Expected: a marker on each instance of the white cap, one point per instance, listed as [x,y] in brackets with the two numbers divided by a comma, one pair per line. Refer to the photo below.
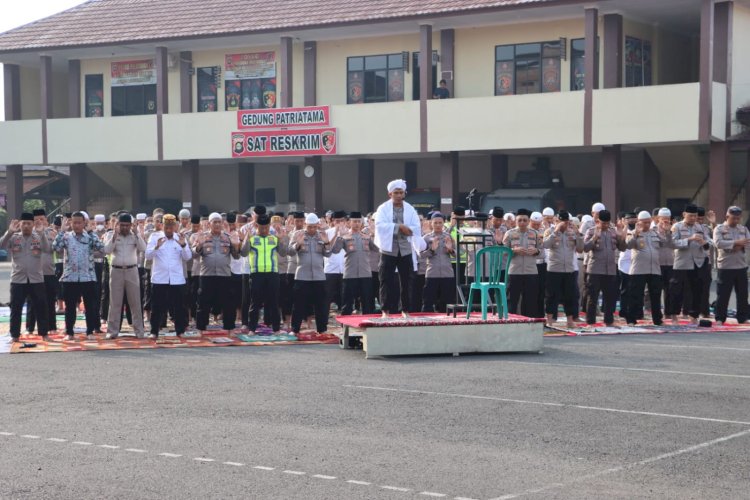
[665,212]
[396,184]
[586,218]
[575,221]
[546,212]
[312,219]
[140,216]
[598,207]
[644,215]
[214,216]
[85,215]
[184,213]
[509,216]
[99,218]
[537,217]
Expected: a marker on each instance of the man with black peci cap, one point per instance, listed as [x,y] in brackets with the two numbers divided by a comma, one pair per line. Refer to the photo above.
[601,243]
[124,244]
[41,226]
[523,281]
[440,282]
[193,268]
[707,220]
[357,281]
[691,241]
[732,242]
[334,265]
[26,247]
[561,241]
[286,286]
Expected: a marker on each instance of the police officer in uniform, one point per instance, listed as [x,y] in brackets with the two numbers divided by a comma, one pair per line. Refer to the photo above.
[440,281]
[732,240]
[523,280]
[41,226]
[357,281]
[601,243]
[561,241]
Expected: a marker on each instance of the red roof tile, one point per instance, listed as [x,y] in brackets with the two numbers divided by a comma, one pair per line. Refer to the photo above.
[109,22]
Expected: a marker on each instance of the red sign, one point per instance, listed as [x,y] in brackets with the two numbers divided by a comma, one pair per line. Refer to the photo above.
[311,141]
[315,116]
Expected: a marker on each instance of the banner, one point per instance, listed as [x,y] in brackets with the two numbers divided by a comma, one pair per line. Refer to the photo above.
[253,65]
[287,117]
[312,141]
[126,73]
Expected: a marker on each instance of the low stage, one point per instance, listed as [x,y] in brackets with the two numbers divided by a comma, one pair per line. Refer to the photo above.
[435,333]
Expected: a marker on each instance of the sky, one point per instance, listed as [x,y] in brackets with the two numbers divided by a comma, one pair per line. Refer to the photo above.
[14,13]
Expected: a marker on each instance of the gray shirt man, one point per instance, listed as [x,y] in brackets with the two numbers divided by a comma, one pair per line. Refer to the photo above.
[215,253]
[689,255]
[356,255]
[310,260]
[401,245]
[26,253]
[562,247]
[730,256]
[602,251]
[530,239]
[645,247]
[439,260]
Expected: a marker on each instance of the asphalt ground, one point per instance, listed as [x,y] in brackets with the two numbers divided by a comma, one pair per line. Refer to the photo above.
[665,416]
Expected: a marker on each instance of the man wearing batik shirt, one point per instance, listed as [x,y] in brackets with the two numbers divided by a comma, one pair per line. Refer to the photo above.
[523,280]
[357,282]
[78,276]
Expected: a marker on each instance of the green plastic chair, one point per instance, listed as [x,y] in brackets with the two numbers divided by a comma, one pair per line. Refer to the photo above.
[495,270]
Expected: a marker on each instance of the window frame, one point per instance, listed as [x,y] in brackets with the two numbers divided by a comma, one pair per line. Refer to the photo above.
[540,59]
[391,76]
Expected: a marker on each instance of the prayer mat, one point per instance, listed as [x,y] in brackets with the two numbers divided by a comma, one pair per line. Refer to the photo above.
[430,319]
[642,327]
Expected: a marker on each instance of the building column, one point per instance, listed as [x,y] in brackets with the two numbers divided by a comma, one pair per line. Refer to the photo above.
[591,78]
[706,69]
[311,72]
[162,97]
[448,181]
[447,55]
[246,184]
[747,181]
[12,91]
[366,180]
[191,185]
[410,175]
[78,198]
[425,81]
[294,184]
[287,72]
[611,173]
[138,187]
[45,103]
[613,51]
[186,82]
[718,177]
[14,184]
[312,184]
[74,88]
[498,171]
[722,64]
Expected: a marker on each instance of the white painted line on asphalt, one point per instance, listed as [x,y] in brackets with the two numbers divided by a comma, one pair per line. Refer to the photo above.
[294,472]
[432,494]
[361,483]
[680,346]
[203,459]
[550,404]
[395,488]
[463,498]
[261,467]
[30,436]
[135,450]
[169,455]
[7,433]
[625,368]
[109,446]
[631,465]
[321,476]
[57,440]
[82,443]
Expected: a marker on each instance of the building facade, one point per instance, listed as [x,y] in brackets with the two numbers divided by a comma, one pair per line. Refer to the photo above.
[141,100]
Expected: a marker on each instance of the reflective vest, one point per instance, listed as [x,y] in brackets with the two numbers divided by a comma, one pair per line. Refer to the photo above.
[263,256]
[461,250]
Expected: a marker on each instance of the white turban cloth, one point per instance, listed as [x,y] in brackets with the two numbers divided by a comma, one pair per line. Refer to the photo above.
[214,216]
[396,184]
[311,219]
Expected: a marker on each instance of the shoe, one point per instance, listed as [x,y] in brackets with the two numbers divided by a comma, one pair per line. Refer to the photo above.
[69,338]
[631,324]
[139,335]
[45,338]
[111,336]
[90,336]
[152,336]
[98,330]
[16,340]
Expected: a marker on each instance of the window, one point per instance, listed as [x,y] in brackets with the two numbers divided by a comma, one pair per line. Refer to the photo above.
[375,78]
[578,64]
[133,88]
[528,68]
[94,93]
[637,62]
[250,81]
[207,97]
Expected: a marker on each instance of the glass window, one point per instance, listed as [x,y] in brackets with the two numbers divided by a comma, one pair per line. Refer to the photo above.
[207,95]
[578,64]
[134,100]
[378,78]
[250,81]
[528,68]
[638,71]
[94,96]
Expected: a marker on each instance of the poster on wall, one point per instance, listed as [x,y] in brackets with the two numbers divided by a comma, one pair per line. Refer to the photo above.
[250,80]
[504,85]
[355,93]
[303,142]
[551,75]
[252,65]
[126,73]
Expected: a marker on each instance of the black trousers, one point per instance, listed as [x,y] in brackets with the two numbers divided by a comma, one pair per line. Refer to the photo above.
[438,292]
[666,276]
[334,290]
[246,300]
[99,270]
[607,286]
[166,298]
[37,295]
[194,282]
[541,270]
[104,300]
[726,280]
[146,295]
[358,289]
[637,284]
[584,301]
[286,287]
[306,294]
[264,292]
[214,291]
[624,282]
[58,274]
[50,290]
[561,288]
[416,292]
[375,287]
[74,291]
[681,278]
[524,287]
[393,285]
[236,293]
[703,305]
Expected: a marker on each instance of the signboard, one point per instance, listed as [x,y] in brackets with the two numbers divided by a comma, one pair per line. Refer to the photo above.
[303,142]
[315,116]
[252,65]
[125,73]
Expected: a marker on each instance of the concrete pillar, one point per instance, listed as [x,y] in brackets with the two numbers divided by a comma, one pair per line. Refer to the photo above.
[706,69]
[287,72]
[162,97]
[723,33]
[448,181]
[12,91]
[191,185]
[613,51]
[138,187]
[591,77]
[747,181]
[294,182]
[498,172]
[611,173]
[186,82]
[410,175]
[45,103]
[14,182]
[312,184]
[74,88]
[246,184]
[425,80]
[311,71]
[366,180]
[718,177]
[78,197]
